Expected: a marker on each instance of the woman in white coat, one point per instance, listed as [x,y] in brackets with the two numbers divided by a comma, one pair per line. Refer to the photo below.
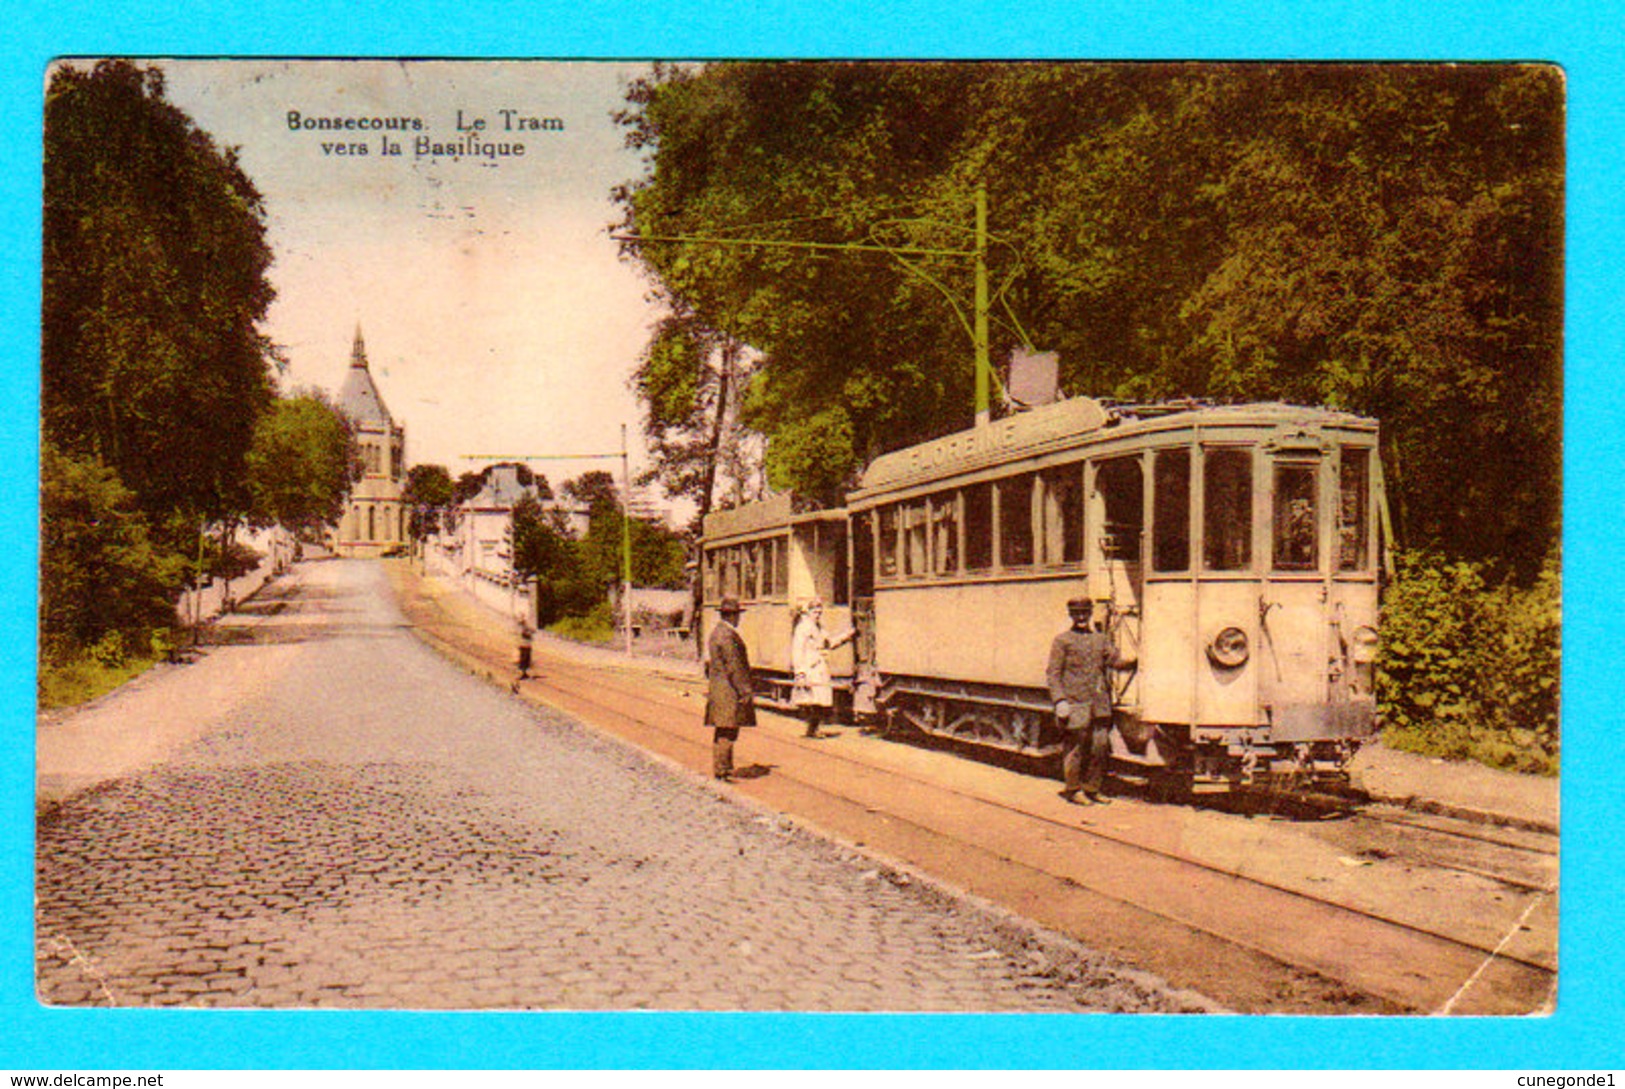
[813,694]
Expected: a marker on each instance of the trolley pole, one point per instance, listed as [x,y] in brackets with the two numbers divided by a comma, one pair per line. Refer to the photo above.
[984,369]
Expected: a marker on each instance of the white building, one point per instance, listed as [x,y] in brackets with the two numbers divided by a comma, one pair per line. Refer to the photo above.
[478,550]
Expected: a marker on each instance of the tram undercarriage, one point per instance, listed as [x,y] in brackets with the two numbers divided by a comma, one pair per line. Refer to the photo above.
[1173,760]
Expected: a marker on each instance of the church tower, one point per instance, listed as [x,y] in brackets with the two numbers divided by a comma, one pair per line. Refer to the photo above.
[375,522]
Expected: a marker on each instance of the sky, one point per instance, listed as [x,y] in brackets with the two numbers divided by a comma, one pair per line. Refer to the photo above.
[499,320]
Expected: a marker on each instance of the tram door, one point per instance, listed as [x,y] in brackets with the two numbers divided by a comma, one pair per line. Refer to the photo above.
[866,676]
[1116,521]
[1293,610]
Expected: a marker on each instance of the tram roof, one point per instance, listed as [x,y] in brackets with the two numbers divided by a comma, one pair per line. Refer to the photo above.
[1076,421]
[774,512]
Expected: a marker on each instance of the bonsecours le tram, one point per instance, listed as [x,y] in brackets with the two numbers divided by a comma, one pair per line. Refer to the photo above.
[1232,553]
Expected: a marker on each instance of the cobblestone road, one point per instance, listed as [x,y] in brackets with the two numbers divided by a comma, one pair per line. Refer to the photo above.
[379,829]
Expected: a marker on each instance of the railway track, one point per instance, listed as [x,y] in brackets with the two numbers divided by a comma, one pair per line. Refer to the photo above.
[1124,880]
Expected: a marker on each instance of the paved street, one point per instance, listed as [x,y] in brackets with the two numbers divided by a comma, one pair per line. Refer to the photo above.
[329,814]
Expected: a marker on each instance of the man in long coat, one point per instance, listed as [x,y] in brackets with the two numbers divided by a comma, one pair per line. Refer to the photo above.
[1080,664]
[730,700]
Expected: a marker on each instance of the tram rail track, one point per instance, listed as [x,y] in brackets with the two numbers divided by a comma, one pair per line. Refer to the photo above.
[1194,922]
[1092,832]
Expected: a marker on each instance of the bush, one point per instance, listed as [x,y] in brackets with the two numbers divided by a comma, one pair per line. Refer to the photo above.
[105,583]
[598,626]
[69,678]
[1469,670]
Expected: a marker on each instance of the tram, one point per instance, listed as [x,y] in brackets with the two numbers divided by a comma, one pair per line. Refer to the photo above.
[1232,552]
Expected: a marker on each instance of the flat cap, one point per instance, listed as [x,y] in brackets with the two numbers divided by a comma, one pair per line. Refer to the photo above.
[1080,605]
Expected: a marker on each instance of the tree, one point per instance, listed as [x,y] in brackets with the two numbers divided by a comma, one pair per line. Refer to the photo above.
[102,580]
[809,153]
[302,463]
[154,375]
[1381,238]
[658,554]
[155,265]
[596,489]
[428,492]
[544,554]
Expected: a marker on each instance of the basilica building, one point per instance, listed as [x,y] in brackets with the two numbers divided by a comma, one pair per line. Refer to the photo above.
[375,522]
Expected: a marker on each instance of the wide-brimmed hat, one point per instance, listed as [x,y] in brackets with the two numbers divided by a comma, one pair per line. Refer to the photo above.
[729,605]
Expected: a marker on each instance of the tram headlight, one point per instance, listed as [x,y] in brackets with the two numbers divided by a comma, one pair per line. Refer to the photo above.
[1228,649]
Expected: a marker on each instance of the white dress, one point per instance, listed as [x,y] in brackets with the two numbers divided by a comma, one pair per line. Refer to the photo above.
[809,661]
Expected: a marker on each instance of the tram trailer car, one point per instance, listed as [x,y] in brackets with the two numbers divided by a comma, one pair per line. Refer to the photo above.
[773,559]
[1232,553]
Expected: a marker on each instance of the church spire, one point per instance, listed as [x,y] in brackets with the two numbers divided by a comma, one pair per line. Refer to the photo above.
[358,352]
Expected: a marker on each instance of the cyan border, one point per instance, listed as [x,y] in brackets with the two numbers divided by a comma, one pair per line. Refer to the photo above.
[1582,36]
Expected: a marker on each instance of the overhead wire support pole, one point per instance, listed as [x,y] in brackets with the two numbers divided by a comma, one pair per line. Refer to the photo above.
[977,255]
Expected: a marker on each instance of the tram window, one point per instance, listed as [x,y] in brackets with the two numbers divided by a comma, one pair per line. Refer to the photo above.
[888,542]
[978,500]
[945,534]
[730,573]
[1353,509]
[1016,521]
[1295,520]
[781,573]
[916,531]
[1119,484]
[1171,498]
[1061,515]
[747,573]
[1227,509]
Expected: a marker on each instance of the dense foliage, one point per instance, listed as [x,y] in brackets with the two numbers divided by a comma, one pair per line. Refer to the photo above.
[574,577]
[1381,238]
[104,585]
[545,555]
[302,463]
[161,429]
[155,265]
[1385,239]
[1469,668]
[428,494]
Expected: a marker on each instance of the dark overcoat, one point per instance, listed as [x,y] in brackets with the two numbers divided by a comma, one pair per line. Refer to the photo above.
[1080,664]
[730,702]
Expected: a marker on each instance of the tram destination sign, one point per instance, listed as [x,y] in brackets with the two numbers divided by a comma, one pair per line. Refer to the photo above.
[965,451]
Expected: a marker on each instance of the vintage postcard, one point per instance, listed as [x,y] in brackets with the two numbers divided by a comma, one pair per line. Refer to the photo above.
[801,537]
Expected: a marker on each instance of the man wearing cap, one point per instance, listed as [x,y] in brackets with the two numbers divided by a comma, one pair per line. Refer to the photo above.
[1080,664]
[729,702]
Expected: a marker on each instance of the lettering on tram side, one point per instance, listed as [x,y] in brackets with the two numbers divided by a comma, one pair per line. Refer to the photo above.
[470,136]
[969,449]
